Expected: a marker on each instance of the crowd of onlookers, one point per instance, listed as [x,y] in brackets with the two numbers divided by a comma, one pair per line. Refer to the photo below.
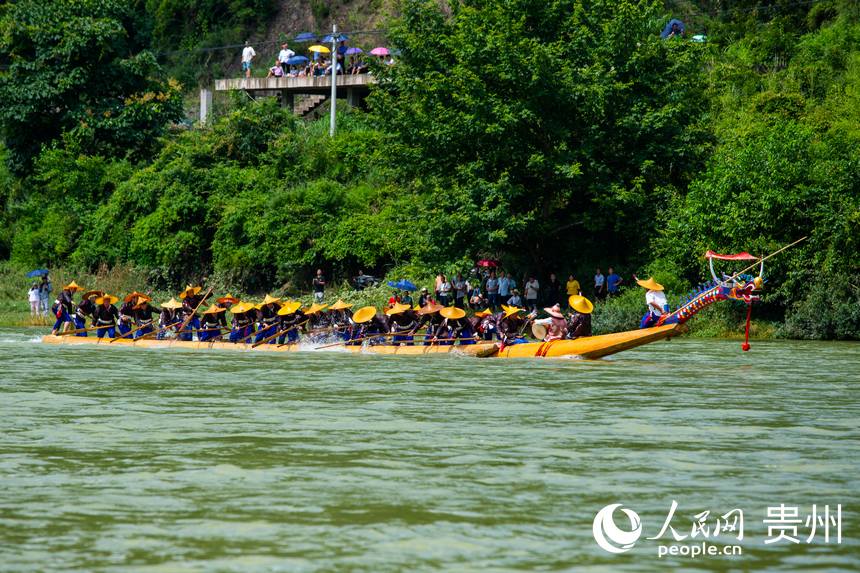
[492,287]
[345,60]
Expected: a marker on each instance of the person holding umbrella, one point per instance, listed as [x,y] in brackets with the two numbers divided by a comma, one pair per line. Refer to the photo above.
[284,58]
[45,290]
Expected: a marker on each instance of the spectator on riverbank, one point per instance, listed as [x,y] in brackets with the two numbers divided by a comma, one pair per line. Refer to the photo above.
[461,289]
[248,55]
[477,300]
[45,290]
[553,290]
[491,287]
[445,290]
[515,299]
[319,286]
[532,289]
[613,281]
[599,285]
[34,297]
[285,54]
[572,287]
[504,286]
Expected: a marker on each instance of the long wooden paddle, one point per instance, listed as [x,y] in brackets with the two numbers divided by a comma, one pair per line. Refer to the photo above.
[285,332]
[130,333]
[69,332]
[193,313]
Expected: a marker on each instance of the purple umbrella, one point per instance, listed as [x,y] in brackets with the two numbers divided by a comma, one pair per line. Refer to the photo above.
[353,51]
[380,51]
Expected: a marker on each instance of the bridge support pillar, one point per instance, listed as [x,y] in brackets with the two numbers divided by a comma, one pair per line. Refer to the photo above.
[288,100]
[353,97]
[205,104]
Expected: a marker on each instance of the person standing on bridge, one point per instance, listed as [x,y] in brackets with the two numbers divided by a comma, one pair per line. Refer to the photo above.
[285,54]
[248,55]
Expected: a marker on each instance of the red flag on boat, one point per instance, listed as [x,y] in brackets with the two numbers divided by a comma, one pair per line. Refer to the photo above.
[744,256]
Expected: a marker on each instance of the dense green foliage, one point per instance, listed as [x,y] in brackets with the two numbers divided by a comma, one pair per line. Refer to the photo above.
[79,71]
[553,135]
[530,123]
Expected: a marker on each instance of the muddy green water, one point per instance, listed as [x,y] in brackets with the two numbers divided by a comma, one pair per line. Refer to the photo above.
[163,460]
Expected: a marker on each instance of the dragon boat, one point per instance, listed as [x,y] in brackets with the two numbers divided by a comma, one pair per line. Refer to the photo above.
[738,287]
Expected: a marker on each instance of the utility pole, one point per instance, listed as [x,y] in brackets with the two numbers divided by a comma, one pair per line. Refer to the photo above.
[333,78]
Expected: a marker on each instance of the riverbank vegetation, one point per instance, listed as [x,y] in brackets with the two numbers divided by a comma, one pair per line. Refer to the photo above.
[556,138]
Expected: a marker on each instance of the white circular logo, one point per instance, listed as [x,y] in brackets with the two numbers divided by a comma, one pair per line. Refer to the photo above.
[609,537]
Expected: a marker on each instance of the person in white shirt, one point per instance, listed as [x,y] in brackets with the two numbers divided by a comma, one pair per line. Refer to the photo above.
[656,301]
[285,54]
[34,296]
[532,289]
[248,55]
[599,285]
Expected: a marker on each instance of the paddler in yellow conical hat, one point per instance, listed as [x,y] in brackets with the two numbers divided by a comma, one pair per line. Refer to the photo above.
[339,319]
[430,318]
[292,319]
[105,315]
[402,321]
[242,323]
[655,299]
[64,307]
[268,318]
[455,326]
[191,301]
[579,324]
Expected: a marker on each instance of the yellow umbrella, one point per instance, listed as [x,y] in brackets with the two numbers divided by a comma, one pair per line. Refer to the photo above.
[320,49]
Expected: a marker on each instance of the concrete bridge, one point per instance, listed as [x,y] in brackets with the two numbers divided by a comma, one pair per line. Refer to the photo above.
[302,95]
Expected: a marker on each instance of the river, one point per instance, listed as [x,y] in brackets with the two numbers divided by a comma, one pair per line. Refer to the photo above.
[167,460]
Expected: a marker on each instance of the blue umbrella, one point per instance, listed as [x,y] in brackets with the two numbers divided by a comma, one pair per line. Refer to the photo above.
[37,273]
[668,28]
[328,39]
[296,60]
[306,37]
[403,284]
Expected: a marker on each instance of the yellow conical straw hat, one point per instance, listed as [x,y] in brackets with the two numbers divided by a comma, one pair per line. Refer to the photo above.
[580,304]
[452,312]
[339,305]
[364,314]
[650,284]
[289,307]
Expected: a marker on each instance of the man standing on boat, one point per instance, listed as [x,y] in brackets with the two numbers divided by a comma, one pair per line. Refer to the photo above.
[243,322]
[403,323]
[269,318]
[210,324]
[143,312]
[85,310]
[106,315]
[64,307]
[292,319]
[191,299]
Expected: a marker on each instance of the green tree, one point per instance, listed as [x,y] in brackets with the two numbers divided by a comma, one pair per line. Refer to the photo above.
[533,122]
[78,74]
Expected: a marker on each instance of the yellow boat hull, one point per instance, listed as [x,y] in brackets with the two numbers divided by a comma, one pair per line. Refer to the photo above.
[588,347]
